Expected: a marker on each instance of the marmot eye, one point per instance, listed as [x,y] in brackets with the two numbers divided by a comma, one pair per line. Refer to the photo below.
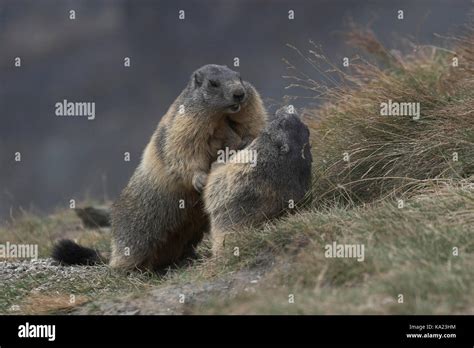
[214,83]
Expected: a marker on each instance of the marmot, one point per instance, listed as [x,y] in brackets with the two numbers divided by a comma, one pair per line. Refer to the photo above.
[159,218]
[244,192]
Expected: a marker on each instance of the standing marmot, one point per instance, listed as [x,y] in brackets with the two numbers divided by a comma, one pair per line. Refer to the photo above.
[159,216]
[239,194]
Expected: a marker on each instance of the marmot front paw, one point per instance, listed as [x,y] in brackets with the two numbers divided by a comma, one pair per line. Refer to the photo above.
[199,181]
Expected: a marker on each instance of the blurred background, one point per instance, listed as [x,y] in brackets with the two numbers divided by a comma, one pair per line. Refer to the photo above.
[82,60]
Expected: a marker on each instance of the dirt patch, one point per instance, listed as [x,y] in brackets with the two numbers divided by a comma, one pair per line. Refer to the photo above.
[180,298]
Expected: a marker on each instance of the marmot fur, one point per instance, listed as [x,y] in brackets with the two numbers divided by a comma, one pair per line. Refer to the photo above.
[240,193]
[158,219]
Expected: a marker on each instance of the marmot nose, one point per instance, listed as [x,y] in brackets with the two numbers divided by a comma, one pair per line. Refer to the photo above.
[239,95]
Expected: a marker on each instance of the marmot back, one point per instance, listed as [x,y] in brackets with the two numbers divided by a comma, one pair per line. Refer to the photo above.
[244,192]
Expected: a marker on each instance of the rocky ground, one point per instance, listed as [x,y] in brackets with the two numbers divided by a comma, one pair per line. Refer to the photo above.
[168,299]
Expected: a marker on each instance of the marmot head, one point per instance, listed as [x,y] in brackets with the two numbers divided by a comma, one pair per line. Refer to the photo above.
[220,88]
[289,136]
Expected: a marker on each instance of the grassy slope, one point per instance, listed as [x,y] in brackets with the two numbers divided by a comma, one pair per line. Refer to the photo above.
[409,250]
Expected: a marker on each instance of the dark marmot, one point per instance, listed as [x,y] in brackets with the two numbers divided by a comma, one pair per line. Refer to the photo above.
[158,219]
[245,192]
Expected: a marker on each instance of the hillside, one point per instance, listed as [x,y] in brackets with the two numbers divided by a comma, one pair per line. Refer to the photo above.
[400,186]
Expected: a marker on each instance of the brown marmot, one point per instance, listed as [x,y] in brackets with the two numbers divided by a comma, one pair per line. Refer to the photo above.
[261,181]
[158,219]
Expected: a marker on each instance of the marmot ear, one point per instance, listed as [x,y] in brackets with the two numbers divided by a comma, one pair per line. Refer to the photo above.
[284,148]
[281,143]
[197,79]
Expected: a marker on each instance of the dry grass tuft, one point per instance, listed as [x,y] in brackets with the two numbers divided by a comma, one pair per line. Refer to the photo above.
[50,303]
[361,156]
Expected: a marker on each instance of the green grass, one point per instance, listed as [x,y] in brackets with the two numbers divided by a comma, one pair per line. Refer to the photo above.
[408,251]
